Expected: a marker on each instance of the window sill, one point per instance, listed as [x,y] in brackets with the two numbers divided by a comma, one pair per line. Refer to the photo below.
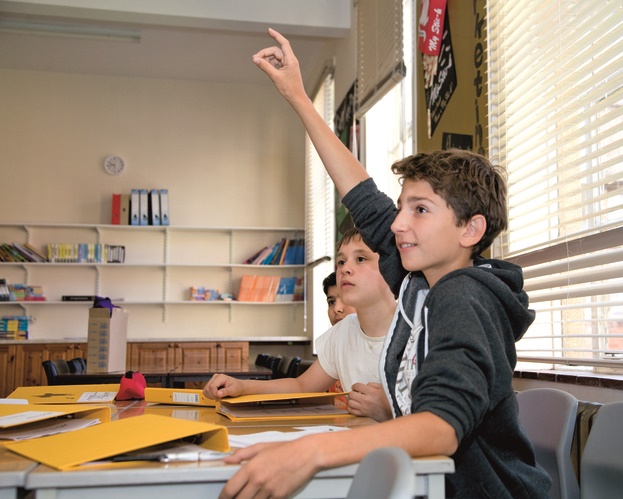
[611,381]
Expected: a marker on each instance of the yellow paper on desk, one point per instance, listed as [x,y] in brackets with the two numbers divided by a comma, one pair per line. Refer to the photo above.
[68,451]
[178,396]
[278,406]
[34,420]
[67,394]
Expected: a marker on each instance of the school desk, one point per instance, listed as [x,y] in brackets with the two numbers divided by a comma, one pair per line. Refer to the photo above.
[206,479]
[13,472]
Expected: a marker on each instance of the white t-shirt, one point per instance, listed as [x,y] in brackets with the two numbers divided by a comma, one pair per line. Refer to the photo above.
[347,354]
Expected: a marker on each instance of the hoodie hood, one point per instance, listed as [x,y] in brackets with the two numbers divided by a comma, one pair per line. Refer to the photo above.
[505,281]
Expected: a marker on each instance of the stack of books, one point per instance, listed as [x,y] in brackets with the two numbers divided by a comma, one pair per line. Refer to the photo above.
[85,253]
[20,252]
[14,327]
[283,252]
[254,288]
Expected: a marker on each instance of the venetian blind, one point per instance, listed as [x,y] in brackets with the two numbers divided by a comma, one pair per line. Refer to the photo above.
[379,50]
[319,209]
[556,125]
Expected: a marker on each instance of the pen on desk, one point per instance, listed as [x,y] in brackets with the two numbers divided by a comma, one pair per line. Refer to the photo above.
[137,457]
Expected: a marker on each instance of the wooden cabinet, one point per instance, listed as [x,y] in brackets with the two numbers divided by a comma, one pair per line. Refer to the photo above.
[7,369]
[24,362]
[20,364]
[186,356]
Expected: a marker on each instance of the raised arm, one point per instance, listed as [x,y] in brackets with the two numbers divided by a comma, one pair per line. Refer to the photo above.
[282,67]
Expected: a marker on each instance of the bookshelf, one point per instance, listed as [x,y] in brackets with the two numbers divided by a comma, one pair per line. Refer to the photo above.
[161,265]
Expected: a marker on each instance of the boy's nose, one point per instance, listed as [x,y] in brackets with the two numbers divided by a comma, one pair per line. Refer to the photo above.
[398,225]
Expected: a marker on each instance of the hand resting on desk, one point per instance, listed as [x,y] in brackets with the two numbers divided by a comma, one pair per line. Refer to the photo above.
[369,400]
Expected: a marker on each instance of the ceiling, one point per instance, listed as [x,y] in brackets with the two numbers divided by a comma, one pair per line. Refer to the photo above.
[210,40]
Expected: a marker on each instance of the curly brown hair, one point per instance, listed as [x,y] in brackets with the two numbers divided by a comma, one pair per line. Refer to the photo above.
[468,182]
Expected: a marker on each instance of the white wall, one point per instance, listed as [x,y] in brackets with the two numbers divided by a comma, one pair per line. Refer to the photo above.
[229,155]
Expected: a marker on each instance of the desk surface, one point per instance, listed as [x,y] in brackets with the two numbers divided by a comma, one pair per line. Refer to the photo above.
[195,479]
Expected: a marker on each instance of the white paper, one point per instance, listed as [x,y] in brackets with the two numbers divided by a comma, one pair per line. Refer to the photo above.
[48,427]
[280,436]
[97,397]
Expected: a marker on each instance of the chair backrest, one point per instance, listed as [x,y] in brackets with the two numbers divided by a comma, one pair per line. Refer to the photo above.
[273,363]
[262,359]
[53,368]
[303,366]
[601,469]
[384,473]
[286,368]
[50,371]
[77,365]
[548,415]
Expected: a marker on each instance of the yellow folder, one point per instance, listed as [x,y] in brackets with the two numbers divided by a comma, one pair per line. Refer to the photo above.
[67,394]
[67,451]
[281,406]
[178,396]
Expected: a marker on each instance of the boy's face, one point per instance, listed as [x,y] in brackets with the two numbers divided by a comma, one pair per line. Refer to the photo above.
[336,308]
[426,233]
[358,278]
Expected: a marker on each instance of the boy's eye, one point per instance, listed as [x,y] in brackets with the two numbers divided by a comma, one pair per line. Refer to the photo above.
[330,302]
[361,259]
[421,209]
[339,263]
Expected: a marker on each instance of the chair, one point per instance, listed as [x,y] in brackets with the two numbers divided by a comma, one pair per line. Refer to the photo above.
[286,368]
[262,359]
[601,470]
[548,415]
[53,368]
[77,365]
[384,473]
[273,363]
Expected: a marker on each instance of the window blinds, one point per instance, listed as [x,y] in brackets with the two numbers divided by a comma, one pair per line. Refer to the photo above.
[556,125]
[319,209]
[379,50]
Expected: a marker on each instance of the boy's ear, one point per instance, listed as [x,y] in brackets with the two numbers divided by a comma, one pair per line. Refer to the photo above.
[474,230]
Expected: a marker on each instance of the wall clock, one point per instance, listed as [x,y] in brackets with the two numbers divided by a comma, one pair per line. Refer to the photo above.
[114,165]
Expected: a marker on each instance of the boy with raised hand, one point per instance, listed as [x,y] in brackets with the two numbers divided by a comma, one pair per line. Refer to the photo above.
[450,354]
[350,350]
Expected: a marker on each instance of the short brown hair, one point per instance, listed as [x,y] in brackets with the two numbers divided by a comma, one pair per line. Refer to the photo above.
[468,182]
[348,236]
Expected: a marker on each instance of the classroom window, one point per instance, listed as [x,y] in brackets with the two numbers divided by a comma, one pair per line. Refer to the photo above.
[556,125]
[319,212]
[387,127]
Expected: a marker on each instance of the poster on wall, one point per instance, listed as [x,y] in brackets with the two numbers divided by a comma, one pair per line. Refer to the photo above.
[343,123]
[439,72]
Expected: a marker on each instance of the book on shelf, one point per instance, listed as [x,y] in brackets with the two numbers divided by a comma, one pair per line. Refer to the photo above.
[262,288]
[299,289]
[253,257]
[285,292]
[283,252]
[124,217]
[78,297]
[164,207]
[247,283]
[115,212]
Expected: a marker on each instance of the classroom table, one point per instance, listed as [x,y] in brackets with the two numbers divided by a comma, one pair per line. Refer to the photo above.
[13,472]
[205,479]
[170,379]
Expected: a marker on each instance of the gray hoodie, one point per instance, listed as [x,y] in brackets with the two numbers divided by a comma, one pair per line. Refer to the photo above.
[466,357]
